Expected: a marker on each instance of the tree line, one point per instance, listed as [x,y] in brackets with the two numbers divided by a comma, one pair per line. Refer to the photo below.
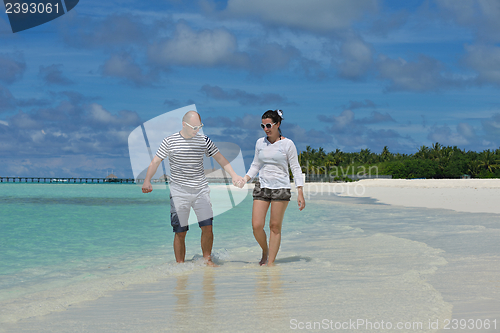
[436,161]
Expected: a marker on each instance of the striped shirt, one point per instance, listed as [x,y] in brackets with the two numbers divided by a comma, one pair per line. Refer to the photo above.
[185,157]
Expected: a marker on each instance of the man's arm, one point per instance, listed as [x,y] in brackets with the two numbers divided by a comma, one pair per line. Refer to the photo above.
[153,166]
[224,163]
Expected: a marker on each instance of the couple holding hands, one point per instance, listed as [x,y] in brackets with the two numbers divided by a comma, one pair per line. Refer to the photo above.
[189,186]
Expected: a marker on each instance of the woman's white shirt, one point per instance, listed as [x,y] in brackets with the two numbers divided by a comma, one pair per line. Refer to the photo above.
[271,162]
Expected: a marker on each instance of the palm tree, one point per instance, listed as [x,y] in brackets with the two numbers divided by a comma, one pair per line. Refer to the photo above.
[436,151]
[386,155]
[423,152]
[364,156]
[489,161]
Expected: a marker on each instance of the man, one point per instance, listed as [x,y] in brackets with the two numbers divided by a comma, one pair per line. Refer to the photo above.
[188,184]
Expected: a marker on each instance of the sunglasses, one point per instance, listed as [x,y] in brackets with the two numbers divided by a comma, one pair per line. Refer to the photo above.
[268,126]
[194,127]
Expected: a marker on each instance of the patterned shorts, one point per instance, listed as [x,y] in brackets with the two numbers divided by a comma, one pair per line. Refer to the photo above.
[268,194]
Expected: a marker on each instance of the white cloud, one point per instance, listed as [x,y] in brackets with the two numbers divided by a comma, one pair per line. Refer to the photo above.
[12,67]
[466,130]
[480,15]
[357,59]
[98,113]
[353,133]
[25,121]
[445,136]
[53,75]
[313,15]
[243,97]
[197,48]
[492,127]
[486,61]
[423,75]
[103,32]
[124,66]
[7,100]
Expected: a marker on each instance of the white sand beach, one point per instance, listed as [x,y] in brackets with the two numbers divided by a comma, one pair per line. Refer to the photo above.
[470,282]
[462,195]
[418,255]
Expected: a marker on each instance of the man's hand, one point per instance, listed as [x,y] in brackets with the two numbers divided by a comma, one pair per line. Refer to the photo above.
[147,187]
[242,181]
[153,166]
[238,181]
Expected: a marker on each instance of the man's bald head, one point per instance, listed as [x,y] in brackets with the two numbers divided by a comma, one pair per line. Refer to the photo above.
[190,114]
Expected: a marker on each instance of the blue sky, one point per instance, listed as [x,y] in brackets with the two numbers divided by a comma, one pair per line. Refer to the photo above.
[347,74]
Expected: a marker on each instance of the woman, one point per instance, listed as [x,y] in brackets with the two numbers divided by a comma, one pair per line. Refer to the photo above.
[273,154]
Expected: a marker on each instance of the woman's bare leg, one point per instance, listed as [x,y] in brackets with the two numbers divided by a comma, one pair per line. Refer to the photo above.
[259,211]
[277,213]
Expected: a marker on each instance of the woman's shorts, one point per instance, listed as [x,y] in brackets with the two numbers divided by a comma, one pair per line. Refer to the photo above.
[268,194]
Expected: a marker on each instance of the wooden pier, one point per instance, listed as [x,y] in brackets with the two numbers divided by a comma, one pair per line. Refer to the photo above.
[67,180]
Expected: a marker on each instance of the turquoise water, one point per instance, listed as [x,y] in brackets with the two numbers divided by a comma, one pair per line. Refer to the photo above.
[51,225]
[56,235]
[72,229]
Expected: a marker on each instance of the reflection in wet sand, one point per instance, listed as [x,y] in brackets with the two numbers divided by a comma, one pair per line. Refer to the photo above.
[195,300]
[182,304]
[269,292]
[208,302]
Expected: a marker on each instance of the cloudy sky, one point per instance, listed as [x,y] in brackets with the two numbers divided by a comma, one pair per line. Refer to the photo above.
[347,74]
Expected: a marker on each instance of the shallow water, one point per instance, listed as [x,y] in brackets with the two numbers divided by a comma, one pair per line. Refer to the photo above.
[341,260]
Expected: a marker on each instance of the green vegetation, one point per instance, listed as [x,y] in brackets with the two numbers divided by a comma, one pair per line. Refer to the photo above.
[428,162]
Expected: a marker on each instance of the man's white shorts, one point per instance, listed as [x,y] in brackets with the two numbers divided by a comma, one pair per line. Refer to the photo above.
[182,198]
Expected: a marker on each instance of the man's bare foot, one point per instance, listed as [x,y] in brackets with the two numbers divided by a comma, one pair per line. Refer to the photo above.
[263,261]
[270,264]
[210,263]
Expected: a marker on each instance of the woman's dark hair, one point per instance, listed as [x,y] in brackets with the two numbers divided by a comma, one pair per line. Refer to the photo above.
[274,116]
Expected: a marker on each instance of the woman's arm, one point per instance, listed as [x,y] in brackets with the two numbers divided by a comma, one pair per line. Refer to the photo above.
[255,166]
[300,198]
[293,160]
[224,163]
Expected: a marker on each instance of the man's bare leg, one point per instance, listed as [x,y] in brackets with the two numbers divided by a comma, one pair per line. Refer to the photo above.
[277,213]
[180,246]
[259,211]
[207,240]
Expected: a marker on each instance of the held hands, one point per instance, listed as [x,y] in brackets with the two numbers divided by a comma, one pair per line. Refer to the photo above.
[238,181]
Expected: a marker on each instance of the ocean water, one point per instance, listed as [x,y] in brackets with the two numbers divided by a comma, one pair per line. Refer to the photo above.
[342,260]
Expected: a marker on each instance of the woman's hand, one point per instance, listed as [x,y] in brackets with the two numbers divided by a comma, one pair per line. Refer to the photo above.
[242,181]
[300,198]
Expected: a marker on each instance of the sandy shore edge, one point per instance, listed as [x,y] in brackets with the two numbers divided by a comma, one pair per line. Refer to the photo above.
[463,195]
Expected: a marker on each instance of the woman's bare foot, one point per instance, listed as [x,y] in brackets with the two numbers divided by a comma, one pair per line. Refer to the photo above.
[263,261]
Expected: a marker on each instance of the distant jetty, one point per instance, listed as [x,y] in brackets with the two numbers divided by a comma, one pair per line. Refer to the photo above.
[67,180]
